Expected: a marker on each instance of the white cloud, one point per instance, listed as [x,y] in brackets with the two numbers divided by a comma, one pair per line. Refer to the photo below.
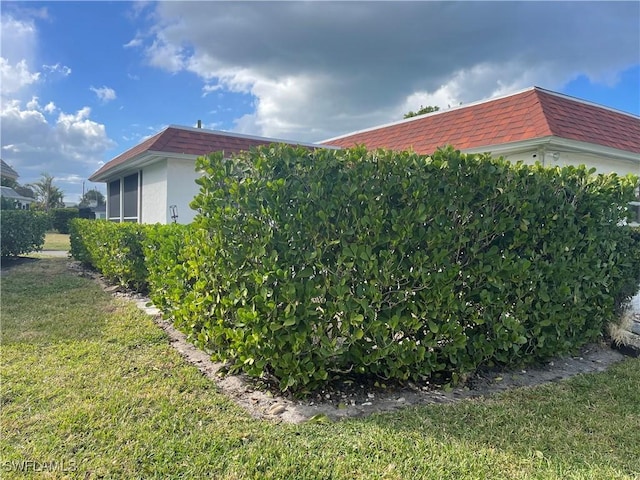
[104,94]
[57,69]
[15,77]
[69,146]
[18,38]
[318,69]
[50,107]
[137,41]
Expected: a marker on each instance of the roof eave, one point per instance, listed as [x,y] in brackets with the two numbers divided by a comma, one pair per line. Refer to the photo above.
[135,163]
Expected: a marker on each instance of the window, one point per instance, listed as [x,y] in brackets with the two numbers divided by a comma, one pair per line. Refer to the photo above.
[123,198]
[113,200]
[130,197]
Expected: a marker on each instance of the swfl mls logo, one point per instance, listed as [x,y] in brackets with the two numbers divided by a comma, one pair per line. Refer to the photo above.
[36,466]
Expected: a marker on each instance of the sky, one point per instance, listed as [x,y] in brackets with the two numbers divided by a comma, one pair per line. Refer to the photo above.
[82,82]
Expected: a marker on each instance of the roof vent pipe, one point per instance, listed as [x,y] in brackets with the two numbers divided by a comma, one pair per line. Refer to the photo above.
[199,123]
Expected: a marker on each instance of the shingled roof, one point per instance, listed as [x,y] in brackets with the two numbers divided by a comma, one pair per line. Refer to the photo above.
[7,171]
[186,141]
[527,115]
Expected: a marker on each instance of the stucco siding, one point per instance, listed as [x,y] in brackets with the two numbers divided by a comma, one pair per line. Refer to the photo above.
[555,158]
[154,193]
[181,188]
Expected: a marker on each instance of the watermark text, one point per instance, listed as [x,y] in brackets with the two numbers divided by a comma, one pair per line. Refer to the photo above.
[38,466]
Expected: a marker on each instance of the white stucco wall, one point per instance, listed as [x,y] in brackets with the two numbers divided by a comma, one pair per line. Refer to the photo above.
[154,193]
[554,158]
[181,188]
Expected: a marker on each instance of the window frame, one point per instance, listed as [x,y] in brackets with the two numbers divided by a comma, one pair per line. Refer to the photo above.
[124,197]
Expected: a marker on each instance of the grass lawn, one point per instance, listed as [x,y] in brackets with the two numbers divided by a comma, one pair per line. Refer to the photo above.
[56,241]
[91,385]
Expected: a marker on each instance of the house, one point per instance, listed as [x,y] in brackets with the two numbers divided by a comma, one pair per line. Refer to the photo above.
[7,171]
[9,193]
[531,125]
[19,201]
[154,182]
[100,212]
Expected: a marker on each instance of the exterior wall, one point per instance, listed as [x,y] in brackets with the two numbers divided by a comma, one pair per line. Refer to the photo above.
[181,189]
[601,164]
[553,158]
[154,204]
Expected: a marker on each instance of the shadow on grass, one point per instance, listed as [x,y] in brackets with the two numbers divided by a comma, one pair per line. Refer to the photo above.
[9,263]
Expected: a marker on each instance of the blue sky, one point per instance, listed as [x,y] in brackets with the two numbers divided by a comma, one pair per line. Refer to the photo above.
[85,81]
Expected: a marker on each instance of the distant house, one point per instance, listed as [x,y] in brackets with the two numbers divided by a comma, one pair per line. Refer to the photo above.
[7,171]
[8,193]
[530,125]
[154,182]
[100,212]
[19,201]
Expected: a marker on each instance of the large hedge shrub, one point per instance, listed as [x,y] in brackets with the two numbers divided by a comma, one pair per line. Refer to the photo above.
[309,264]
[305,264]
[115,249]
[60,218]
[22,231]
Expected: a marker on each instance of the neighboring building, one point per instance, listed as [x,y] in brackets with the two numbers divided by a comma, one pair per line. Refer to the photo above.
[20,202]
[530,125]
[100,212]
[154,182]
[8,172]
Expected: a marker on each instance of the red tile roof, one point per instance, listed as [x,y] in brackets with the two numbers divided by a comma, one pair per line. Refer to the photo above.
[531,114]
[188,141]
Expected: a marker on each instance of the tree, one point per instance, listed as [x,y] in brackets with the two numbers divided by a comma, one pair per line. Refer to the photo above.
[92,198]
[47,194]
[422,111]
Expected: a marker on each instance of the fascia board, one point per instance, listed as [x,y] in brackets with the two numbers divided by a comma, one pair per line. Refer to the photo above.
[133,164]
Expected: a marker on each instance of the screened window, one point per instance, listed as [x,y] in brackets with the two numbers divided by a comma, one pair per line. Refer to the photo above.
[130,197]
[114,200]
[123,198]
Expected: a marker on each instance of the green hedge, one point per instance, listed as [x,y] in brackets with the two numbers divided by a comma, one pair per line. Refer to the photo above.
[169,276]
[305,264]
[116,250]
[309,264]
[22,231]
[60,218]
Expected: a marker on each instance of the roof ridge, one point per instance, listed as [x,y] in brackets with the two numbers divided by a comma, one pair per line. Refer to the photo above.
[586,102]
[240,135]
[432,114]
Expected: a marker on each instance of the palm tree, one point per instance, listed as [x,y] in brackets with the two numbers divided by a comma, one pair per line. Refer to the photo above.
[48,195]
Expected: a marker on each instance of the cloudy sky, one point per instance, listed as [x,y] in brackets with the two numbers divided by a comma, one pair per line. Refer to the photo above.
[85,81]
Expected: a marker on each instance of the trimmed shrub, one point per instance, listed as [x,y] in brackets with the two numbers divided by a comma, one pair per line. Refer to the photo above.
[305,264]
[311,264]
[22,231]
[60,218]
[114,249]
[169,277]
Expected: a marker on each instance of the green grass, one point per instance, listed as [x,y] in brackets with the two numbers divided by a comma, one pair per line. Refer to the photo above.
[56,241]
[92,384]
